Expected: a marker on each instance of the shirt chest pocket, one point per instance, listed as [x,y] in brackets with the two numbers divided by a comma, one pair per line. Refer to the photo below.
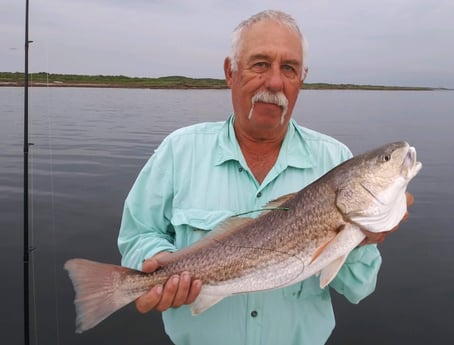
[192,224]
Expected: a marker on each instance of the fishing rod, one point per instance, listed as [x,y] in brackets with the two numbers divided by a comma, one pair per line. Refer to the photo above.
[26,257]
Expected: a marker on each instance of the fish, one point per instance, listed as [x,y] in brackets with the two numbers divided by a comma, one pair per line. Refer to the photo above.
[309,232]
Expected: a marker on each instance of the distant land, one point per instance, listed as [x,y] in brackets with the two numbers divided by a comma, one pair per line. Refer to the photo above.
[43,79]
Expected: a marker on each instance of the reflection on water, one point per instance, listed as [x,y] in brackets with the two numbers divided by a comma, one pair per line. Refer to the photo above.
[89,145]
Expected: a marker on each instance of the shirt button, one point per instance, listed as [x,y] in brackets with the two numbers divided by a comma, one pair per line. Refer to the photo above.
[259,194]
[240,169]
[254,313]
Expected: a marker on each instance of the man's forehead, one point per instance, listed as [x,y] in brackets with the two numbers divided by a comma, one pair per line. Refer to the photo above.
[270,35]
[269,26]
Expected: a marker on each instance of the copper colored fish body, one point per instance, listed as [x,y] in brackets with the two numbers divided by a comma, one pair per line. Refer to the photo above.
[302,234]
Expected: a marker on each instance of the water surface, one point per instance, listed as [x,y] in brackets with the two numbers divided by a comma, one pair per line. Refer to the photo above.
[89,145]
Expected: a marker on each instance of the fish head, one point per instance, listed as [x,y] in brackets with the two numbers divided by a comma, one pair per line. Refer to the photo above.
[370,191]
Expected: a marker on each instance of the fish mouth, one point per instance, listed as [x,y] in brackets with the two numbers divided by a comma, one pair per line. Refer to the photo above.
[410,165]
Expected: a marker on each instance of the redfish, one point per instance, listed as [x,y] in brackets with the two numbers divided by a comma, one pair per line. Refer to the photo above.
[298,235]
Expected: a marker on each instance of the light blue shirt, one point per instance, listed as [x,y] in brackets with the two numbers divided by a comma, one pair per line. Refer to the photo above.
[198,177]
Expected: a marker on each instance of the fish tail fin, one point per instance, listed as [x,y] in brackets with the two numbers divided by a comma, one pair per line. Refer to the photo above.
[98,289]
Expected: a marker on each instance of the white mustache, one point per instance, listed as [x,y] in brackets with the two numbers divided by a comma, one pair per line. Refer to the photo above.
[277,98]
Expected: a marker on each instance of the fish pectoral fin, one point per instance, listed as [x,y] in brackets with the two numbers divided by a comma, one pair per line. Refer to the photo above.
[332,255]
[205,301]
[320,250]
[329,272]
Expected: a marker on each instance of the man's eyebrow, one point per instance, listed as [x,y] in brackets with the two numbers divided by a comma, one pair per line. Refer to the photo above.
[266,57]
[259,56]
[293,62]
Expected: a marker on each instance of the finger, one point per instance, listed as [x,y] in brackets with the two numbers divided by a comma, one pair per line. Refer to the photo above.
[183,290]
[196,287]
[405,217]
[410,198]
[149,300]
[379,238]
[168,294]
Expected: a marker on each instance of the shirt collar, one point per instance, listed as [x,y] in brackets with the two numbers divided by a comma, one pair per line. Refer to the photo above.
[228,148]
[294,151]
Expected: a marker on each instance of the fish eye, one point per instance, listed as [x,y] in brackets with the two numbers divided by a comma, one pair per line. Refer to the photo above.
[386,157]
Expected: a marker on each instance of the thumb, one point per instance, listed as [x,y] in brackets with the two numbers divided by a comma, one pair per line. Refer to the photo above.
[410,198]
[150,265]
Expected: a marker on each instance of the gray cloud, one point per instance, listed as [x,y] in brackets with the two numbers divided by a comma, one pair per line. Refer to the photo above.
[393,42]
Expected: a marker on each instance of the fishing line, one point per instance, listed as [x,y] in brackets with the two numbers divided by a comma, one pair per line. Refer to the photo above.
[32,237]
[32,246]
[32,232]
[262,209]
[50,133]
[51,174]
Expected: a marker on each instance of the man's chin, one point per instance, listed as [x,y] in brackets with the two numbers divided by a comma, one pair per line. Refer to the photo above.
[266,120]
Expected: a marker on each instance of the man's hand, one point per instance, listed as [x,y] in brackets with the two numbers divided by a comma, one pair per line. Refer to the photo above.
[178,290]
[379,237]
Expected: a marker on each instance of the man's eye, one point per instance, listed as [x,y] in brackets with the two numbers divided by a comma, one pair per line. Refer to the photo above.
[288,70]
[260,66]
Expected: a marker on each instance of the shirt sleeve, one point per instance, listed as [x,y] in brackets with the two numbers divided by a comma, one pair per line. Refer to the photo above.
[358,276]
[145,228]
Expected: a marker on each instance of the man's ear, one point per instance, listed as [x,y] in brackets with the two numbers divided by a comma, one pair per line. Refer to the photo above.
[228,71]
[303,77]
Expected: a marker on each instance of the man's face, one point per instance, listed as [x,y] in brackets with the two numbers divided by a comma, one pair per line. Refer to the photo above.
[270,59]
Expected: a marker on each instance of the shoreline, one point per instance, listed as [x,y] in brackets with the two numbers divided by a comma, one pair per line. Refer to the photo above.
[43,79]
[105,85]
[308,86]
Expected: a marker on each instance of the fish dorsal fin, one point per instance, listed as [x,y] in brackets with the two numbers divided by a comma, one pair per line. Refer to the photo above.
[220,232]
[279,201]
[231,223]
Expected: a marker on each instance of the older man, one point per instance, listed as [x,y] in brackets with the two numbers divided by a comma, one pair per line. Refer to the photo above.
[204,173]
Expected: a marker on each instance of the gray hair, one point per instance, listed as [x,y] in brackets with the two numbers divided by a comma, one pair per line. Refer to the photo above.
[278,16]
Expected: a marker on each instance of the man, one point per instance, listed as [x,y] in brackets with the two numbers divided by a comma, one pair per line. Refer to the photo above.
[204,173]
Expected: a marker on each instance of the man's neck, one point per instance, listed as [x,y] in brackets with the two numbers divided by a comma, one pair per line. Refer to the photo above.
[260,154]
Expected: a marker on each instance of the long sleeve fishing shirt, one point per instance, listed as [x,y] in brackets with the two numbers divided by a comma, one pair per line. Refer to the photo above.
[198,177]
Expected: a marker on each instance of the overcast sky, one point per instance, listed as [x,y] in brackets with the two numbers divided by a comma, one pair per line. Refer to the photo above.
[385,42]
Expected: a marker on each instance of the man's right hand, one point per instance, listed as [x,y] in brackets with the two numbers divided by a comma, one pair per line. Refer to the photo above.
[178,290]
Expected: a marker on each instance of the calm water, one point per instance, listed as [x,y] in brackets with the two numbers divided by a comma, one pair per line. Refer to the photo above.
[89,145]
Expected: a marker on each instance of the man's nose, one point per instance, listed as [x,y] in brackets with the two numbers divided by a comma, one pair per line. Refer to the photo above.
[275,81]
